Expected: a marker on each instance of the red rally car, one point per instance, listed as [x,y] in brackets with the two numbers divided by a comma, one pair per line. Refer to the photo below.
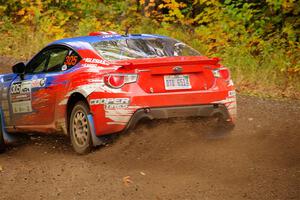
[104,83]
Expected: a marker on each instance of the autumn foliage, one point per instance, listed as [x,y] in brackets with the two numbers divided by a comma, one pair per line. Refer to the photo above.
[257,39]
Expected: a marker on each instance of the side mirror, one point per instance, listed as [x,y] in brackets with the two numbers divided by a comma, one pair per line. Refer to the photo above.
[19,68]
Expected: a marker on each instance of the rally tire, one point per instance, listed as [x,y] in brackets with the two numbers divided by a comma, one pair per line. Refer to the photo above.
[79,128]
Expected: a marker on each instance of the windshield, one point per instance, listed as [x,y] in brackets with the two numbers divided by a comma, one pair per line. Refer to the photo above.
[134,48]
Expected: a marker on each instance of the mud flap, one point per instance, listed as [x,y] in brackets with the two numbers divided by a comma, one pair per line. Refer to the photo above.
[8,138]
[96,140]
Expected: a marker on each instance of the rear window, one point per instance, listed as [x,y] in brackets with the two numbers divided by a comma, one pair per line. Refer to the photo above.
[133,48]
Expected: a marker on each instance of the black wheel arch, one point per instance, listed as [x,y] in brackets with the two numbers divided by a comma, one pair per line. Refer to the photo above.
[73,99]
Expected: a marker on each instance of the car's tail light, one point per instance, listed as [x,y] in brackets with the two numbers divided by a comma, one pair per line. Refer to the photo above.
[119,80]
[222,73]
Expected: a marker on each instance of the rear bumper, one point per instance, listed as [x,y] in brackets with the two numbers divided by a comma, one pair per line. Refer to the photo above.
[179,112]
[209,110]
[116,111]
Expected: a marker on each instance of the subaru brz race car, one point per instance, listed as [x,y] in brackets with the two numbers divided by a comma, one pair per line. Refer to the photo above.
[87,87]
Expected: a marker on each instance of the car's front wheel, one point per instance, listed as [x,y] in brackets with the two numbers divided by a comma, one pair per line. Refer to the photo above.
[80,132]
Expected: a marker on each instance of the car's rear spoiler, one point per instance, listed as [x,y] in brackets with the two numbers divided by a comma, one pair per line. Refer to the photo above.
[161,62]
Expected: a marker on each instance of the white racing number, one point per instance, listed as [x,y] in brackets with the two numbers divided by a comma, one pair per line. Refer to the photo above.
[15,88]
[20,95]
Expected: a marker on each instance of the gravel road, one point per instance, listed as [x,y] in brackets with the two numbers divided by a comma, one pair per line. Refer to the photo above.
[167,161]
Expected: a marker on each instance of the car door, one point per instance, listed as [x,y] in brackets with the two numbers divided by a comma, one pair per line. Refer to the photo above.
[33,96]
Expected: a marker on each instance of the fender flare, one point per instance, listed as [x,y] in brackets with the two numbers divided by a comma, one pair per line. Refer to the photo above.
[95,139]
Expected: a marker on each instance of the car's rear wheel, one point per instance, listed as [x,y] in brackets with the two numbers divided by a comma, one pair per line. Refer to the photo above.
[2,144]
[80,132]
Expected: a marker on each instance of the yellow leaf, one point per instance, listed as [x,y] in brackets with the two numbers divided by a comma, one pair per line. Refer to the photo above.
[21,12]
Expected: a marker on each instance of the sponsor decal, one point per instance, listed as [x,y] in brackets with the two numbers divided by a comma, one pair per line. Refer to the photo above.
[21,97]
[94,67]
[41,82]
[90,65]
[96,61]
[111,103]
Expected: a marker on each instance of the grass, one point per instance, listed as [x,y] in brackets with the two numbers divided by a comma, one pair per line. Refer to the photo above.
[255,75]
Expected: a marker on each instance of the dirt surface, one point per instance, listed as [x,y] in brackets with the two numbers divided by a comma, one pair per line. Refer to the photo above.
[6,63]
[167,160]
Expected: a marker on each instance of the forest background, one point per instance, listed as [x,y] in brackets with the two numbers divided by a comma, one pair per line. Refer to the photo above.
[257,39]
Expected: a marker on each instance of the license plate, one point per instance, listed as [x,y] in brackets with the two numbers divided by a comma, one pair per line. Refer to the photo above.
[177,82]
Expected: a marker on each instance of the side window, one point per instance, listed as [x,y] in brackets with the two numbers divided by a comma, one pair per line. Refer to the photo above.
[56,59]
[38,63]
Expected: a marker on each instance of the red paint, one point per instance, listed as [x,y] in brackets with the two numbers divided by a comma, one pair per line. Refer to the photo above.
[148,91]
